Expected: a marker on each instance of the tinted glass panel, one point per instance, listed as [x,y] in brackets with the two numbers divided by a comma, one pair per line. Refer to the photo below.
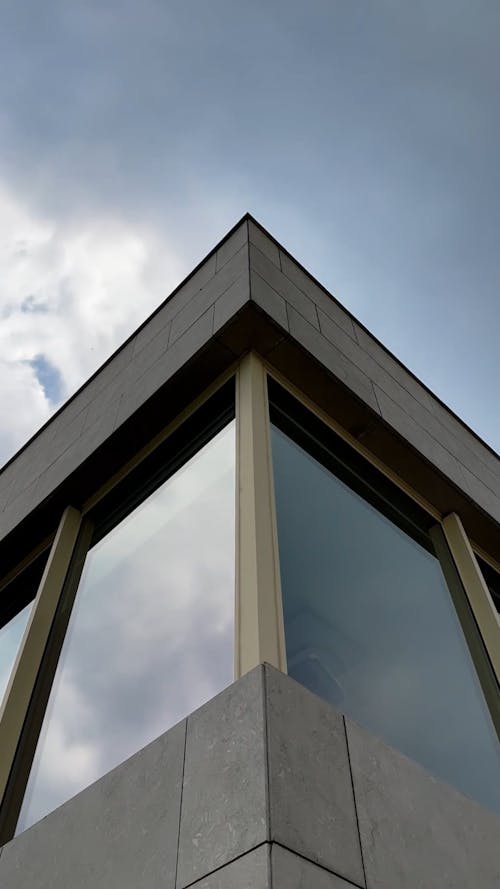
[371,627]
[10,638]
[151,633]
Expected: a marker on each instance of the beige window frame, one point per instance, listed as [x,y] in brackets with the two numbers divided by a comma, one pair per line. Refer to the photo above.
[260,636]
[478,594]
[26,669]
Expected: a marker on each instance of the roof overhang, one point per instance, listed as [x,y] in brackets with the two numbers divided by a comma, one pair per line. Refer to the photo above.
[249,294]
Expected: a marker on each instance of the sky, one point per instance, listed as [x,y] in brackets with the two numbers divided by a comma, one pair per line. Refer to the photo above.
[364,136]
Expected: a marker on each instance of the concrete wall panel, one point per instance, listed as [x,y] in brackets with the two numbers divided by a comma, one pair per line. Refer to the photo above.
[224,800]
[310,791]
[250,871]
[415,830]
[265,773]
[120,833]
[292,871]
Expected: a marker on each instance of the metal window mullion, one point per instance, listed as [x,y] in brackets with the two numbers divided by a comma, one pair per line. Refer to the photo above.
[478,594]
[259,629]
[19,692]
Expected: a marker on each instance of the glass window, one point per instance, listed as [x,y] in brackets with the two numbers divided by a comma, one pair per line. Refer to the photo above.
[371,627]
[10,637]
[16,601]
[150,637]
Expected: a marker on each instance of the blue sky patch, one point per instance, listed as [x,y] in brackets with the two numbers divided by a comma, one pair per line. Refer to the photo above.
[49,378]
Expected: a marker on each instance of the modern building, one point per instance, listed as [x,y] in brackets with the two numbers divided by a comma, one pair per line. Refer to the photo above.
[249,609]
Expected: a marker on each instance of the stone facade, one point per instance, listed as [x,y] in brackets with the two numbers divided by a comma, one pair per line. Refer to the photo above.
[264,786]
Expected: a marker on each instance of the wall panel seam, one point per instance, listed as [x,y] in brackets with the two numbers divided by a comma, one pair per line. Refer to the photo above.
[351,775]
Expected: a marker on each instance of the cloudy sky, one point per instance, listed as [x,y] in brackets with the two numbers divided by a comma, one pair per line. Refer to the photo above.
[364,135]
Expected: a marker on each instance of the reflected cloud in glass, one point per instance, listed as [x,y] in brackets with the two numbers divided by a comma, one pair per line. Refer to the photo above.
[151,634]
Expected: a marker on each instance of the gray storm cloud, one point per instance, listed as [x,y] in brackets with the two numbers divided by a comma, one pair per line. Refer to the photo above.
[366,138]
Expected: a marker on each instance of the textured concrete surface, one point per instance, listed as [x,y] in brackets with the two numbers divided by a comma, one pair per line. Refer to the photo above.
[224,800]
[250,871]
[290,871]
[247,268]
[310,791]
[120,833]
[255,789]
[415,830]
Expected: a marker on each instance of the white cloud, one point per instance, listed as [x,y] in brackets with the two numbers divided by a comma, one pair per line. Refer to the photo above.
[72,293]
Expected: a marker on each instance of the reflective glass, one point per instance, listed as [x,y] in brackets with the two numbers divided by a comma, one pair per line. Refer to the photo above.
[371,627]
[10,638]
[151,633]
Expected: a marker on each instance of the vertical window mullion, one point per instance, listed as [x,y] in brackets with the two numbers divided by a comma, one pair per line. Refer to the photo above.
[475,587]
[19,693]
[259,628]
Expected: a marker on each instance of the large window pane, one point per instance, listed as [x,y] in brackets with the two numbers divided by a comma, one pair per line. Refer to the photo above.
[151,633]
[370,626]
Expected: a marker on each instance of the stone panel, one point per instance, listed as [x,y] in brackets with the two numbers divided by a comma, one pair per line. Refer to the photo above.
[282,285]
[415,830]
[269,300]
[290,871]
[114,368]
[231,301]
[194,282]
[171,361]
[401,408]
[264,244]
[18,508]
[417,436]
[146,357]
[481,494]
[320,297]
[337,363]
[231,245]
[462,437]
[158,324]
[224,801]
[310,791]
[121,833]
[251,871]
[235,268]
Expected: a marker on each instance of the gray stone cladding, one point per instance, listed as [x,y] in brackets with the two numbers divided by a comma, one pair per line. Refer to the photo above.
[185,323]
[249,271]
[328,332]
[264,787]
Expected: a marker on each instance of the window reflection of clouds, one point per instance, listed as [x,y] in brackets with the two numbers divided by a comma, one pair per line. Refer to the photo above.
[10,639]
[151,635]
[370,625]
